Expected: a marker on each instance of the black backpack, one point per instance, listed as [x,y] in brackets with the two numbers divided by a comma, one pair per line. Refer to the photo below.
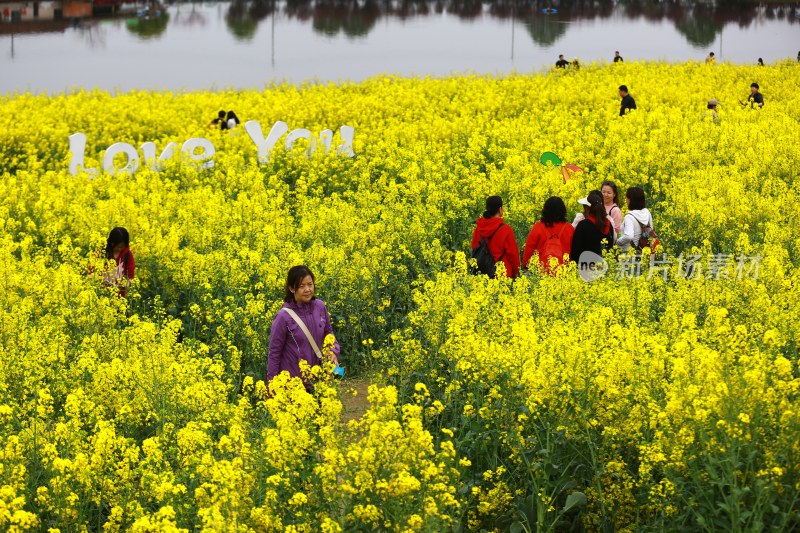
[484,258]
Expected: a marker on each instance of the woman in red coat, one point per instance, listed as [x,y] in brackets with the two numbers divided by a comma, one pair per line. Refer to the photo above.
[550,237]
[498,235]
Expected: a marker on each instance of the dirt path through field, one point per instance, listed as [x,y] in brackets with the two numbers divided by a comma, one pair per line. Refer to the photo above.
[353,406]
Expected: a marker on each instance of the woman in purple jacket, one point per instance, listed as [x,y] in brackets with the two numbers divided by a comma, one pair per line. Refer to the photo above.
[288,343]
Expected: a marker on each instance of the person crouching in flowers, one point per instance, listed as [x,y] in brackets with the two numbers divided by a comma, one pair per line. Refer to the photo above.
[301,331]
[118,249]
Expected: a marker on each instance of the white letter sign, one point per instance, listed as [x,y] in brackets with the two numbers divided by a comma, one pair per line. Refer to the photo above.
[121,148]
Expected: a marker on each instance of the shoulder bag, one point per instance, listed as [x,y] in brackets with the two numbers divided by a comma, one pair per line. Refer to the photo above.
[302,325]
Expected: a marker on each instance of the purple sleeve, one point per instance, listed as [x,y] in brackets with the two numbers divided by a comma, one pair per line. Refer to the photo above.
[277,340]
[329,329]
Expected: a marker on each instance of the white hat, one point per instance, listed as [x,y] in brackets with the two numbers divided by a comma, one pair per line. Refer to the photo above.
[585,201]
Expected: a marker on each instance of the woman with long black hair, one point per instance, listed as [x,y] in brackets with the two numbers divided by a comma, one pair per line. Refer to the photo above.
[550,237]
[611,203]
[232,120]
[595,232]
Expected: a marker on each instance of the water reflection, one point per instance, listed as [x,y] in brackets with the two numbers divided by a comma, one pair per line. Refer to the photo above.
[545,31]
[698,29]
[247,43]
[150,27]
[94,35]
[243,17]
[343,16]
[545,21]
[700,22]
[193,18]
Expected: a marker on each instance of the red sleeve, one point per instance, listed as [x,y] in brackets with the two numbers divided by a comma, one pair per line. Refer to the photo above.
[512,254]
[531,244]
[130,266]
[566,237]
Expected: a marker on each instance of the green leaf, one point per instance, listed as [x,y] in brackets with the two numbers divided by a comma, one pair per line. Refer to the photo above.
[516,527]
[576,499]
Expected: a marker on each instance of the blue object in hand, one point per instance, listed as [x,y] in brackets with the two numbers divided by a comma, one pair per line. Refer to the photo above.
[338,372]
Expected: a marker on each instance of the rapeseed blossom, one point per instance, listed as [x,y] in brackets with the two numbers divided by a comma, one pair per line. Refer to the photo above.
[630,403]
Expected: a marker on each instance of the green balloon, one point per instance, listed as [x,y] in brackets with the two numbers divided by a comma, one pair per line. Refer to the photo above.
[550,157]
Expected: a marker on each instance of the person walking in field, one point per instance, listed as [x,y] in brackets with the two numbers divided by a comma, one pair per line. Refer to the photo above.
[550,237]
[299,329]
[561,63]
[638,220]
[710,58]
[595,232]
[628,103]
[498,236]
[617,57]
[755,98]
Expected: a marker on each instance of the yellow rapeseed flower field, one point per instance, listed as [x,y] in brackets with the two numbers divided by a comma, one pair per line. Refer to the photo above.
[661,397]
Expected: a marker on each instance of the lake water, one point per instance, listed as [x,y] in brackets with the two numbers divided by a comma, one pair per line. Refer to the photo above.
[249,44]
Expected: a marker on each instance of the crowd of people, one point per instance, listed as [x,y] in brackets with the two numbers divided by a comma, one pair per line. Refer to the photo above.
[302,330]
[755,99]
[601,226]
[302,326]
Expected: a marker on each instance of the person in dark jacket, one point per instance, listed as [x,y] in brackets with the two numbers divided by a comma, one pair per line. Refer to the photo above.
[219,122]
[288,343]
[594,233]
[627,100]
[499,236]
[756,99]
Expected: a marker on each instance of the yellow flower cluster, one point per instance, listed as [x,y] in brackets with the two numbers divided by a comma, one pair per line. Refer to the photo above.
[631,403]
[653,398]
